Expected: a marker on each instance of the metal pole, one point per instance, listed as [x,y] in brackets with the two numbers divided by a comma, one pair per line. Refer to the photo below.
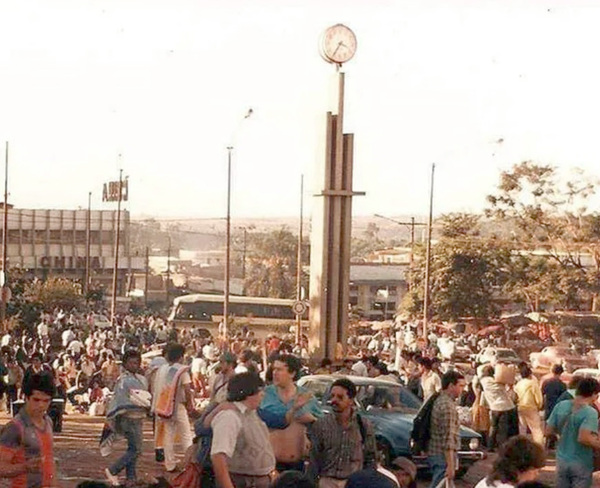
[146,278]
[5,241]
[428,257]
[87,246]
[168,268]
[412,252]
[299,267]
[227,246]
[113,305]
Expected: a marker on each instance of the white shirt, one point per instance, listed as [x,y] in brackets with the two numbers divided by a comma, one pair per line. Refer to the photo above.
[360,369]
[5,340]
[226,427]
[75,347]
[496,395]
[67,336]
[42,329]
[431,383]
[495,484]
[198,366]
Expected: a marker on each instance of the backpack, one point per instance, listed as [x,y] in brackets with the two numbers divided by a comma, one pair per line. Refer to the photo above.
[421,431]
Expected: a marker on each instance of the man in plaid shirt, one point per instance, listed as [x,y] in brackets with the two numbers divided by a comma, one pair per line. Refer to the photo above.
[445,429]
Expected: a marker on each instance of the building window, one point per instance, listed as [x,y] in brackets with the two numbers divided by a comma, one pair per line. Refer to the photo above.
[80,237]
[14,236]
[40,236]
[27,235]
[107,237]
[55,237]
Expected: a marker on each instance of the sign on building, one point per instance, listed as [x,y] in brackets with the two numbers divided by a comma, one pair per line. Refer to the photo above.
[110,191]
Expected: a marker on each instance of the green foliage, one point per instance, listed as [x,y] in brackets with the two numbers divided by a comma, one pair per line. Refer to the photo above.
[466,272]
[553,232]
[272,264]
[54,293]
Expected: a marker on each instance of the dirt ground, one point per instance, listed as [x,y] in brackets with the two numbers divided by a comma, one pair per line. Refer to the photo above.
[79,459]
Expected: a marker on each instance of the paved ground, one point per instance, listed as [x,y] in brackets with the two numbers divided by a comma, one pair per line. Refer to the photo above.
[78,457]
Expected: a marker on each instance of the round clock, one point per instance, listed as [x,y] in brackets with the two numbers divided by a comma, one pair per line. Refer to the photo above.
[338,44]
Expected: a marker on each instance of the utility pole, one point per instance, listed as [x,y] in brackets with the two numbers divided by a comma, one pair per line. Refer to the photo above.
[87,245]
[244,258]
[168,268]
[147,273]
[113,305]
[227,247]
[299,267]
[5,243]
[411,226]
[428,257]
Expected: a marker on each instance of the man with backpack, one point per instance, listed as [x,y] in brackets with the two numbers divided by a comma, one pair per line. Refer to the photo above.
[444,429]
[342,443]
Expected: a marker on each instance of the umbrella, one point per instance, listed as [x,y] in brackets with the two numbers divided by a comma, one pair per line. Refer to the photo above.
[489,329]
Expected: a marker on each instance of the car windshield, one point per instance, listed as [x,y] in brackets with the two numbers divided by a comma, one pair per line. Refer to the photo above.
[563,350]
[387,397]
[382,396]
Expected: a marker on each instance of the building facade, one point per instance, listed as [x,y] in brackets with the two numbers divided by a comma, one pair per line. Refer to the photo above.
[376,290]
[44,242]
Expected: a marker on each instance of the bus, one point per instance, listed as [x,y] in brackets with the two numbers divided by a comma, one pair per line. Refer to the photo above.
[261,315]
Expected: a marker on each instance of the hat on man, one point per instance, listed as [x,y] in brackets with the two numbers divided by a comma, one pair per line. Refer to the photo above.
[405,465]
[228,357]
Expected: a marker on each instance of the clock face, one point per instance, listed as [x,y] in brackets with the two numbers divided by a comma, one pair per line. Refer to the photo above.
[338,44]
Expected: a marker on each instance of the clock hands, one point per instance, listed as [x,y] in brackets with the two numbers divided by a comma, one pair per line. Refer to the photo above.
[340,44]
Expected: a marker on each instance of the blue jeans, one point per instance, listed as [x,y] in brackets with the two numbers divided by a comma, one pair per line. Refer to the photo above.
[437,464]
[131,429]
[572,475]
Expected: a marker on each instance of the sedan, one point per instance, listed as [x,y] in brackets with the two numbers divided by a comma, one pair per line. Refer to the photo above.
[391,409]
[495,355]
[563,355]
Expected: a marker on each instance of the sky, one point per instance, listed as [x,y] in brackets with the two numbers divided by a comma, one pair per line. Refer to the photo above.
[160,88]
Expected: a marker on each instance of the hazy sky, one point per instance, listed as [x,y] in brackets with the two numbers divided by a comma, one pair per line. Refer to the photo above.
[166,83]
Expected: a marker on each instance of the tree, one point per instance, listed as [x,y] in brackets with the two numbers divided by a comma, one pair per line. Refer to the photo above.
[553,230]
[54,293]
[272,264]
[465,274]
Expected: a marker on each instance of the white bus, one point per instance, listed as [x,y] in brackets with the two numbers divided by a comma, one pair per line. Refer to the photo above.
[261,315]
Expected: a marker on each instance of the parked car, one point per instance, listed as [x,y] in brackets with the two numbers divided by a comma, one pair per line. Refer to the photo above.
[101,321]
[588,373]
[495,355]
[391,408]
[564,355]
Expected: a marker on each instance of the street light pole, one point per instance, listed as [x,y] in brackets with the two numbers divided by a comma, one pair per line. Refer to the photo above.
[87,246]
[226,290]
[5,243]
[299,267]
[227,245]
[428,257]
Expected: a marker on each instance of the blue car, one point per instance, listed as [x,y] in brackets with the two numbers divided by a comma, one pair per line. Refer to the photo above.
[391,409]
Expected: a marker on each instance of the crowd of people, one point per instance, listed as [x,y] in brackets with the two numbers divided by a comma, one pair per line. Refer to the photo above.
[240,419]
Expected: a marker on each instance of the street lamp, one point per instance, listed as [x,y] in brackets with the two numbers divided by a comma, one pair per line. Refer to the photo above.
[228,228]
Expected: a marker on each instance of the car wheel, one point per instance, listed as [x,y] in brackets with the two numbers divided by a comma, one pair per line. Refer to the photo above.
[384,451]
[462,470]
